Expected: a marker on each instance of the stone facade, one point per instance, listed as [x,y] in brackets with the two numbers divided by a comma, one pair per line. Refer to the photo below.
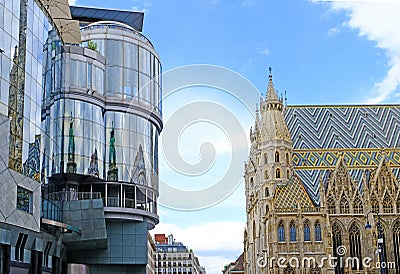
[287,231]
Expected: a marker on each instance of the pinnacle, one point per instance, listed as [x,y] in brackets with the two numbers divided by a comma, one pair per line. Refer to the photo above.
[271,94]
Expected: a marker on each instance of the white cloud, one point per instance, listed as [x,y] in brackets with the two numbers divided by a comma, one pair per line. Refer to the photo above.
[216,244]
[72,2]
[215,264]
[265,51]
[377,21]
[247,3]
[142,6]
[333,31]
[138,9]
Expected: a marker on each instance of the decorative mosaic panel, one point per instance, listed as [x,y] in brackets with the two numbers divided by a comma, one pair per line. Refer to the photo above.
[290,194]
[354,158]
[321,133]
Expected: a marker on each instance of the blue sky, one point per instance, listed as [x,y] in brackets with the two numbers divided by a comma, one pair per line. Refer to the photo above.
[321,52]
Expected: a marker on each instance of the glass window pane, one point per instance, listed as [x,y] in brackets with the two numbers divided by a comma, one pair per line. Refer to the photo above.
[130,83]
[114,81]
[114,53]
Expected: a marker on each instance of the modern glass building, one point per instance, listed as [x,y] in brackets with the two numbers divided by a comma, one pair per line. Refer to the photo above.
[80,116]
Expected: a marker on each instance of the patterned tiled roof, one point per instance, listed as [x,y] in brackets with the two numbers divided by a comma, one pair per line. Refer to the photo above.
[290,194]
[321,133]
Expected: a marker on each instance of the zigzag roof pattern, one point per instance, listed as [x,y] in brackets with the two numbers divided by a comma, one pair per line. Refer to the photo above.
[319,133]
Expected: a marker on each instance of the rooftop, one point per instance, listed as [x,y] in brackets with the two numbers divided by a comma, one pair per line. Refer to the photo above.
[87,16]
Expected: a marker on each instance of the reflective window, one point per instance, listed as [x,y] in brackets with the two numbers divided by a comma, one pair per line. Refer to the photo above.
[24,200]
[115,52]
[98,80]
[114,81]
[131,56]
[78,74]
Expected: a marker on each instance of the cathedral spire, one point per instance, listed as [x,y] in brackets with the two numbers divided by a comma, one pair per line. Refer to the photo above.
[271,95]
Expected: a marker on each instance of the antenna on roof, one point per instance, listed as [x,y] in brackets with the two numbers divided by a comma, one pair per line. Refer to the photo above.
[285,99]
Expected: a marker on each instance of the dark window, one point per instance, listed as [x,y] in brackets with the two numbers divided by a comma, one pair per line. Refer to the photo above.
[396,244]
[20,247]
[24,199]
[292,231]
[281,232]
[277,157]
[387,204]
[344,205]
[358,207]
[278,173]
[355,246]
[337,242]
[318,234]
[307,237]
[331,205]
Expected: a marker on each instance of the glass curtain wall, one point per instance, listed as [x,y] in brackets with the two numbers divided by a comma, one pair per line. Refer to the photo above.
[21,82]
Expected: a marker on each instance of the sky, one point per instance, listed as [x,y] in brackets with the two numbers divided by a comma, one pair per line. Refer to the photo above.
[321,52]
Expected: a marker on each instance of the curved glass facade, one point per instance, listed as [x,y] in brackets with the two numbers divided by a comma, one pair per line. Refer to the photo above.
[105,114]
[133,66]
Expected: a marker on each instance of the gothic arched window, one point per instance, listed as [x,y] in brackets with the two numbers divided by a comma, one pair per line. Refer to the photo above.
[396,244]
[281,232]
[344,205]
[355,246]
[318,232]
[266,209]
[357,206]
[278,173]
[387,204]
[287,174]
[307,237]
[292,231]
[287,158]
[331,205]
[337,241]
[276,157]
[374,204]
[266,192]
[398,204]
[265,159]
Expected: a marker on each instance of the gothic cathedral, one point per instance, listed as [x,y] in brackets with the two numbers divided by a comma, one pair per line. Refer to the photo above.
[322,196]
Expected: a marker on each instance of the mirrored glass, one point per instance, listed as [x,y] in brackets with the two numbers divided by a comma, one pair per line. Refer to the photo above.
[114,53]
[114,81]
